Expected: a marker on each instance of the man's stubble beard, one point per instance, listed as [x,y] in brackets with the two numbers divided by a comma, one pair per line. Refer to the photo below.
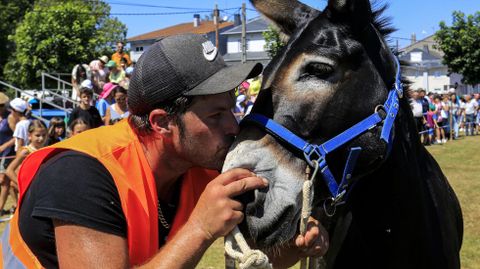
[214,161]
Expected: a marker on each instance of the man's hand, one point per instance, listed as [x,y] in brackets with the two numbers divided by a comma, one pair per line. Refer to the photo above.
[313,244]
[215,215]
[315,241]
[216,212]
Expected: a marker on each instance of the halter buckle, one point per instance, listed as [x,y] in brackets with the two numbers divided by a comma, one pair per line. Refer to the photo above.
[312,154]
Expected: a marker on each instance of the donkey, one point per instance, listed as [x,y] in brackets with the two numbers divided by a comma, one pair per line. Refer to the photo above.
[399,210]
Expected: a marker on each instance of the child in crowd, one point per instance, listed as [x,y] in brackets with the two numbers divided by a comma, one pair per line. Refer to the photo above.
[18,108]
[106,99]
[89,113]
[77,126]
[441,121]
[118,110]
[431,123]
[56,131]
[123,63]
[117,74]
[37,133]
[125,83]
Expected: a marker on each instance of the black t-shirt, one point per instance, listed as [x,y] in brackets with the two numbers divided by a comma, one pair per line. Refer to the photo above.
[91,115]
[74,188]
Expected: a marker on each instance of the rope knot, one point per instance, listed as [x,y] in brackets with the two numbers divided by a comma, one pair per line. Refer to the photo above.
[255,259]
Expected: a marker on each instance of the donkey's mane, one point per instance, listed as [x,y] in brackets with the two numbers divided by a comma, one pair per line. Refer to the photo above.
[382,23]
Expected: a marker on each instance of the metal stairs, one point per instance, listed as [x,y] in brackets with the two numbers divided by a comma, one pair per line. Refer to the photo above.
[53,100]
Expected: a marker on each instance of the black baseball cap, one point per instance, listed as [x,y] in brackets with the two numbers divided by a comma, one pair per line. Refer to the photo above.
[186,64]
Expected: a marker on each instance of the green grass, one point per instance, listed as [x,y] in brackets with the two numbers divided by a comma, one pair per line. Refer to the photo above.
[460,161]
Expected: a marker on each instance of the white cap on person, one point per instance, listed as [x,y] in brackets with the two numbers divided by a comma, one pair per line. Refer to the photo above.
[18,104]
[87,84]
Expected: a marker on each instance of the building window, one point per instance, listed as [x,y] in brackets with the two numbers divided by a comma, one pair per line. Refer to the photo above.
[416,57]
[138,48]
[437,74]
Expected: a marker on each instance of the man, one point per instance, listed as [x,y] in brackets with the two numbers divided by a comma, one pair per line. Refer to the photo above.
[471,107]
[424,99]
[111,197]
[476,97]
[119,54]
[417,110]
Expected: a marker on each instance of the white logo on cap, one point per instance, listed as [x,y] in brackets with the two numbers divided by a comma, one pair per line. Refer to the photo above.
[209,51]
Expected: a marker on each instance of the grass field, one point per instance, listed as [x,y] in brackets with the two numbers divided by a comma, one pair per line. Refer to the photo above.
[460,161]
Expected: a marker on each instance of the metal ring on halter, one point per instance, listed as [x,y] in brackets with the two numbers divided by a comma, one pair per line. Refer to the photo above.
[399,88]
[332,205]
[379,107]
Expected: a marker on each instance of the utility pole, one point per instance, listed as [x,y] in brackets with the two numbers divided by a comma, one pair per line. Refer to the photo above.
[215,22]
[244,33]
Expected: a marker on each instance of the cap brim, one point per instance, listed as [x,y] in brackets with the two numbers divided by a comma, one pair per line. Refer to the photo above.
[227,79]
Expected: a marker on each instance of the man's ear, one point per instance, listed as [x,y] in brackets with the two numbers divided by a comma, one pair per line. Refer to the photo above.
[160,121]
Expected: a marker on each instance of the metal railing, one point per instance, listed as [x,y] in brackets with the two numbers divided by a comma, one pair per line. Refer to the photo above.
[61,91]
[19,92]
[62,86]
[47,95]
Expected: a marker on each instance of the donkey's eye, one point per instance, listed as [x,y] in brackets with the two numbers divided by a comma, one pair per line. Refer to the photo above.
[316,70]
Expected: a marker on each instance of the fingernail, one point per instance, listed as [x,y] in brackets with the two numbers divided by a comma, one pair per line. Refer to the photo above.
[265,181]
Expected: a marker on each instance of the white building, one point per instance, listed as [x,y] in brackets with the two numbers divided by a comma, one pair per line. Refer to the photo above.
[426,70]
[255,42]
[140,43]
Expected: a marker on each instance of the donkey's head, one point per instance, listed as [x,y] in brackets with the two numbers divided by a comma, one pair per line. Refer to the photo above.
[333,72]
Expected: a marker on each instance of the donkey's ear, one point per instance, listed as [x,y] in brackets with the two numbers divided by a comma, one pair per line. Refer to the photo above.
[357,12]
[287,15]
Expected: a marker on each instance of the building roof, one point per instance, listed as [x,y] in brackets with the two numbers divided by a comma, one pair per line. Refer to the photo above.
[203,28]
[426,55]
[257,24]
[427,41]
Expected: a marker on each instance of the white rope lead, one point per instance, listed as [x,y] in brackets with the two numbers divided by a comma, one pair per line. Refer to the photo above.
[255,259]
[247,257]
[307,205]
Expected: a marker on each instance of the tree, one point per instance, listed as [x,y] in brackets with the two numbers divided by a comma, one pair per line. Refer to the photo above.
[461,45]
[56,35]
[11,13]
[273,41]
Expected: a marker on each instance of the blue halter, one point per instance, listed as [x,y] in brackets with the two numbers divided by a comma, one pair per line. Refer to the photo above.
[316,154]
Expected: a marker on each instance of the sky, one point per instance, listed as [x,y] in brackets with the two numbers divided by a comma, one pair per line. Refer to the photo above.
[421,17]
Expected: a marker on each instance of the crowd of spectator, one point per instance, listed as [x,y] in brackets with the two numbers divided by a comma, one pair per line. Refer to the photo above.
[443,117]
[100,88]
[246,95]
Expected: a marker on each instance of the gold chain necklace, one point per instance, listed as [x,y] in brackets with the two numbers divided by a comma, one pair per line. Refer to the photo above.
[161,218]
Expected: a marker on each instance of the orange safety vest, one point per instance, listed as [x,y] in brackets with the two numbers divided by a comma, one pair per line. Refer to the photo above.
[119,150]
